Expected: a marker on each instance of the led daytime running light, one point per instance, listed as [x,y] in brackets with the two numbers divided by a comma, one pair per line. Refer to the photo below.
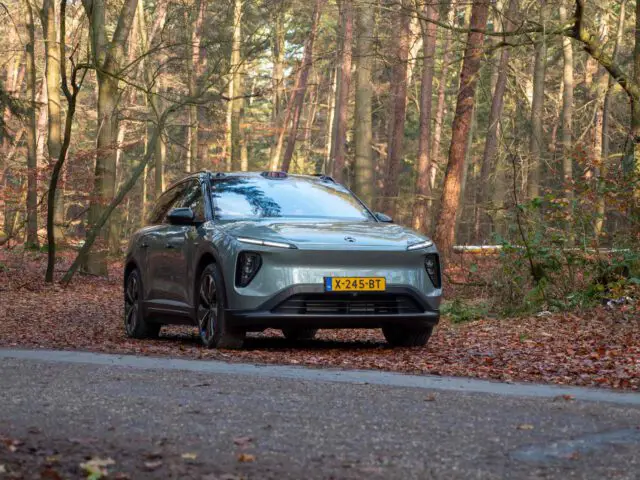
[418,246]
[265,243]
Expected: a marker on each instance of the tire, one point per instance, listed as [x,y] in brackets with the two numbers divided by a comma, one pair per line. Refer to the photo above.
[398,336]
[136,322]
[299,333]
[213,323]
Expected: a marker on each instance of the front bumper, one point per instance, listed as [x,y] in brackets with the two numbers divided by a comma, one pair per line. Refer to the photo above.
[309,306]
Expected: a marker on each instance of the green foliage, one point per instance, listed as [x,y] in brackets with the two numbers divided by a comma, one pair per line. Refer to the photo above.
[551,260]
[459,311]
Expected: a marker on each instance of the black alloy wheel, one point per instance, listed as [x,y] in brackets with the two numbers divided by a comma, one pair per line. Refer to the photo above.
[212,320]
[136,323]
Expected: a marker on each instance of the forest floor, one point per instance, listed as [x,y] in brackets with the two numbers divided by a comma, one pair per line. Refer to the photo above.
[596,347]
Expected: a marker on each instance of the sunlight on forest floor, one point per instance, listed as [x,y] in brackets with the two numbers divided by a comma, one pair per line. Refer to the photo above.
[596,347]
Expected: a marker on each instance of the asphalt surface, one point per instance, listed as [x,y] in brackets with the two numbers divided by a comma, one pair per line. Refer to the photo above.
[160,418]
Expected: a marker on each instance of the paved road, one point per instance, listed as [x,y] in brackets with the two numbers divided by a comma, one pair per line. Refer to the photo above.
[57,409]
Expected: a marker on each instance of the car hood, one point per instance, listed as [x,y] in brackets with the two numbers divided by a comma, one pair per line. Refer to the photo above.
[309,233]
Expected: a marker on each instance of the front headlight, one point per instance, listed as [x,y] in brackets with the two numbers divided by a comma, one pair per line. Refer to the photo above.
[264,243]
[419,245]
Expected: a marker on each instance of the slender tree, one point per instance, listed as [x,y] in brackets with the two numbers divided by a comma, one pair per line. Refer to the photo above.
[423,185]
[338,144]
[450,202]
[32,161]
[397,107]
[54,105]
[488,165]
[301,85]
[194,72]
[71,89]
[537,106]
[237,80]
[364,168]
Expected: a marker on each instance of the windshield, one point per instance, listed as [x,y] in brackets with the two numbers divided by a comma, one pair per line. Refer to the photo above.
[257,197]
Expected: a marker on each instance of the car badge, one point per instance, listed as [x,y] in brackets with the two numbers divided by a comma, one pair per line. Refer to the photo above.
[350,239]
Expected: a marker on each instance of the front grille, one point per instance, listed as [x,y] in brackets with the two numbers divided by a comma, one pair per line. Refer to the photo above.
[348,304]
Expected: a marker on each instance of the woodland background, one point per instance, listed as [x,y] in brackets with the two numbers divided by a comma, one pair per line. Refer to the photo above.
[511,123]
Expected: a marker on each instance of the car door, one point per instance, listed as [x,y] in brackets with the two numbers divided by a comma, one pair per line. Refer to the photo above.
[156,240]
[181,244]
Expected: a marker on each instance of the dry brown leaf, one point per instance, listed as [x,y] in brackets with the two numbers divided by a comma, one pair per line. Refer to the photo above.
[246,458]
[154,465]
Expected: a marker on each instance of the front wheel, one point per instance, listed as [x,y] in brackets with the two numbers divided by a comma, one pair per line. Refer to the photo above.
[400,336]
[136,323]
[213,324]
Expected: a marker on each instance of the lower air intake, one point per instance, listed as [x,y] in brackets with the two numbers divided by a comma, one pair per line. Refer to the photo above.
[348,304]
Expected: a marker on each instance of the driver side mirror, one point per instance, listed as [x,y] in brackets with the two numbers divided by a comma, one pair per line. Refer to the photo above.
[181,216]
[381,217]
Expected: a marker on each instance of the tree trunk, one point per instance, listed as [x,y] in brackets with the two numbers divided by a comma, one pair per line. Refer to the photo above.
[488,166]
[152,85]
[441,108]
[54,105]
[338,160]
[607,98]
[160,156]
[364,167]
[236,78]
[194,73]
[537,107]
[635,102]
[71,97]
[331,111]
[567,118]
[397,109]
[423,186]
[108,59]
[32,161]
[450,202]
[312,107]
[600,161]
[301,89]
[278,78]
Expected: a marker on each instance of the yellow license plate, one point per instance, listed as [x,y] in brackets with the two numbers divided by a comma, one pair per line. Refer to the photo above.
[355,284]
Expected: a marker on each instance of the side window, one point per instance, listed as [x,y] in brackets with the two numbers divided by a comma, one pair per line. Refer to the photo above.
[193,199]
[165,203]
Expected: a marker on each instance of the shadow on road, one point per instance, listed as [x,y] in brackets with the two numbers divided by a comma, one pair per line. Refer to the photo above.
[260,341]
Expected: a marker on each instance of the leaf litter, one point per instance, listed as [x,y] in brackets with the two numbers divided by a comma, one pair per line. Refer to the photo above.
[596,347]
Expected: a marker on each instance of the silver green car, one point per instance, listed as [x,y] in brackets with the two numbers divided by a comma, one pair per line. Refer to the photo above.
[241,252]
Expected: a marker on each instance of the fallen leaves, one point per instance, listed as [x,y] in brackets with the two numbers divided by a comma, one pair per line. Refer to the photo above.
[565,398]
[152,465]
[96,468]
[246,458]
[525,426]
[600,347]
